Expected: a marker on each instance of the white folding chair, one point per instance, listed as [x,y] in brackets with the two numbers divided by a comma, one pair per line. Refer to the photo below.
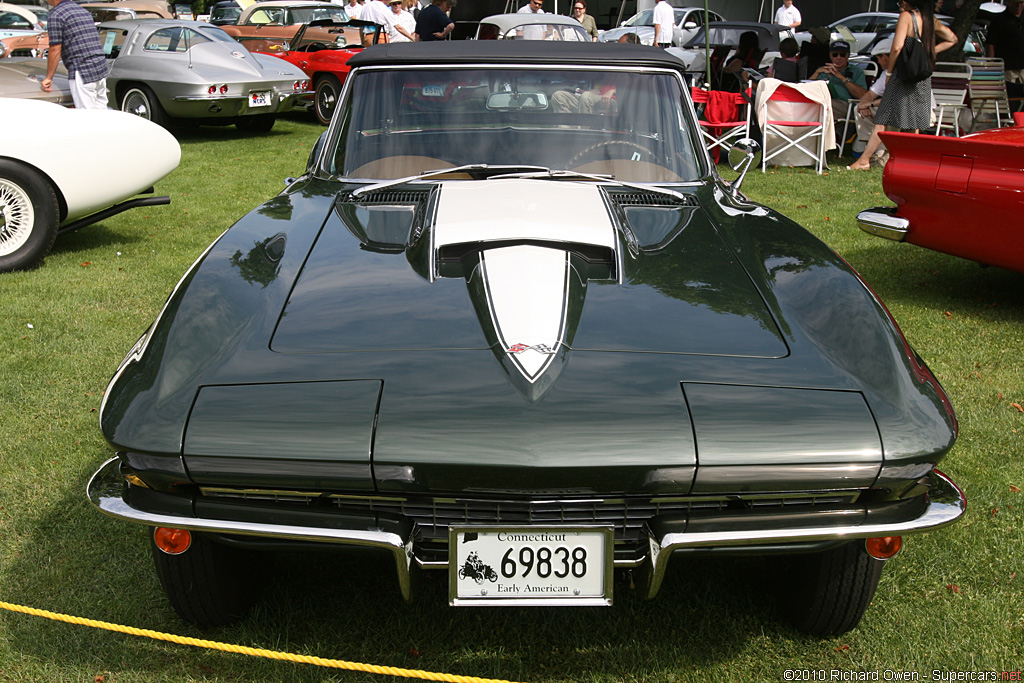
[795,122]
[950,82]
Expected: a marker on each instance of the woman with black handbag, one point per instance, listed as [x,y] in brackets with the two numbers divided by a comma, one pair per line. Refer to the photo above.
[907,102]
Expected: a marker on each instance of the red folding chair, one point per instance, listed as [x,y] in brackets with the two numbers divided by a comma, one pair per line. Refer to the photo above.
[726,117]
[805,134]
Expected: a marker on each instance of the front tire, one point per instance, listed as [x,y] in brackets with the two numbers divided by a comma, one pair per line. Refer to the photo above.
[328,88]
[141,101]
[28,216]
[210,584]
[830,591]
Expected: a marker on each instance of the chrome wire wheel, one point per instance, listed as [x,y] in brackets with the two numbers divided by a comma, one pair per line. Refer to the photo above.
[17,216]
[136,102]
[143,103]
[28,216]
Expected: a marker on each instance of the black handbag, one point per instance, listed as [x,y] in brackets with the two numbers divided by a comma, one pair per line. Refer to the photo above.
[913,64]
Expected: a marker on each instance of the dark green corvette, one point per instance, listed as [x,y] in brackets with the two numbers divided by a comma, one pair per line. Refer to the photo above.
[511,325]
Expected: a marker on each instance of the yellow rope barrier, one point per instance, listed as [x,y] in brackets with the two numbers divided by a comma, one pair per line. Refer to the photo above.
[252,651]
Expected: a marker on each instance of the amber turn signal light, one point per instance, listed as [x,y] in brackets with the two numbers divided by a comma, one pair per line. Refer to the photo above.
[172,541]
[883,547]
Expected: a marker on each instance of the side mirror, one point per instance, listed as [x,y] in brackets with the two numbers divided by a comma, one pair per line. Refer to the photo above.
[314,153]
[742,156]
[690,25]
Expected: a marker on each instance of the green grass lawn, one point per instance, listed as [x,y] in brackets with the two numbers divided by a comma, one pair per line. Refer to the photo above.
[952,600]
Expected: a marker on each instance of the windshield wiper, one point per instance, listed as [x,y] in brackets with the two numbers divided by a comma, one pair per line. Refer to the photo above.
[566,174]
[442,171]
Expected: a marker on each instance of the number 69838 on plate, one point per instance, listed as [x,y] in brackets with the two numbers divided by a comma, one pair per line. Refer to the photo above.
[530,565]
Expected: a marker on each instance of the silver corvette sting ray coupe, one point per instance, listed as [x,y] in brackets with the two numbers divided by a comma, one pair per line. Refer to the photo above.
[176,72]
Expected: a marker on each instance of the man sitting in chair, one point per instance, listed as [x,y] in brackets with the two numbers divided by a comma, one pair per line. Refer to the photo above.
[599,100]
[846,82]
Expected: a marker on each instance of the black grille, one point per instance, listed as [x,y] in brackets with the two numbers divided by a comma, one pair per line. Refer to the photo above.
[433,515]
[641,198]
[386,196]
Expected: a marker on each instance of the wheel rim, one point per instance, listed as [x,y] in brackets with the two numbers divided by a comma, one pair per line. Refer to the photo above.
[325,99]
[136,102]
[16,217]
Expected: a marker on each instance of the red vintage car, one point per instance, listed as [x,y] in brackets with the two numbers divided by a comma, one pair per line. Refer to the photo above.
[960,196]
[322,50]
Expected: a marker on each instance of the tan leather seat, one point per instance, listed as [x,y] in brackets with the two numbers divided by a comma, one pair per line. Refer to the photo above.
[390,168]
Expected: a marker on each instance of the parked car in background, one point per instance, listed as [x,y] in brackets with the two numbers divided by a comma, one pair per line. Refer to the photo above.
[531,27]
[20,77]
[687,22]
[322,51]
[175,72]
[20,30]
[280,19]
[511,325]
[225,12]
[54,178]
[128,9]
[971,204]
[30,45]
[724,34]
[866,29]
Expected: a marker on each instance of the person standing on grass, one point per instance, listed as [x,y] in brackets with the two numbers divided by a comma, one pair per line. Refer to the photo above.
[433,22]
[377,12]
[75,41]
[1006,40]
[908,106]
[664,21]
[788,15]
[402,26]
[579,13]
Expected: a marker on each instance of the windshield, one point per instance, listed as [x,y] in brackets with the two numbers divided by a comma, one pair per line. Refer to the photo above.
[631,125]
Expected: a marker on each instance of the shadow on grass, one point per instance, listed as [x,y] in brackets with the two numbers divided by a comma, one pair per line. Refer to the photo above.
[208,133]
[345,605]
[95,236]
[916,276]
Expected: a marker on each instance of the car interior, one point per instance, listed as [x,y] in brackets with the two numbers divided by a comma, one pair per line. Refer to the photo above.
[613,123]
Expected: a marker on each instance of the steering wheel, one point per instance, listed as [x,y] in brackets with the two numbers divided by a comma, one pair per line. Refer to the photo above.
[645,154]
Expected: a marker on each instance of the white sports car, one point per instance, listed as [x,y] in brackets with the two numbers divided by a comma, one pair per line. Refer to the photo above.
[53,178]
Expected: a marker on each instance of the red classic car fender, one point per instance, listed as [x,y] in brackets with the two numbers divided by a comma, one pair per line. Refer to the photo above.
[960,196]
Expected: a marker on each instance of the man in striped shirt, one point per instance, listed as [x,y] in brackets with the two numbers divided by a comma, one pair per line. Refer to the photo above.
[75,41]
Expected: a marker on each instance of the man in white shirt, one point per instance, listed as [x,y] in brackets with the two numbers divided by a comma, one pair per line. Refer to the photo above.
[377,12]
[401,24]
[788,15]
[352,8]
[533,32]
[664,21]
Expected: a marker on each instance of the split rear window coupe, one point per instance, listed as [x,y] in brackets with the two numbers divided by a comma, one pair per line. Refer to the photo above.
[176,72]
[512,326]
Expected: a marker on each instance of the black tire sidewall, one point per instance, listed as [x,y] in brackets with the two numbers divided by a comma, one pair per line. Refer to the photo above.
[326,81]
[44,226]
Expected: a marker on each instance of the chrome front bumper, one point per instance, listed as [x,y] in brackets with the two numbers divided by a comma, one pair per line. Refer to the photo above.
[944,504]
[883,221]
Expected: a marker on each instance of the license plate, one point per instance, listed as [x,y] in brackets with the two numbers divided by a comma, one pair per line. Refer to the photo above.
[530,565]
[259,99]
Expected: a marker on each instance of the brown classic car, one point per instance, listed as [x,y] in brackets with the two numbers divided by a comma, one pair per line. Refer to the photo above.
[280,19]
[129,9]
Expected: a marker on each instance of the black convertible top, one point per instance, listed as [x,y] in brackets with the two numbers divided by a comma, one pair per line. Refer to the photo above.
[515,52]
